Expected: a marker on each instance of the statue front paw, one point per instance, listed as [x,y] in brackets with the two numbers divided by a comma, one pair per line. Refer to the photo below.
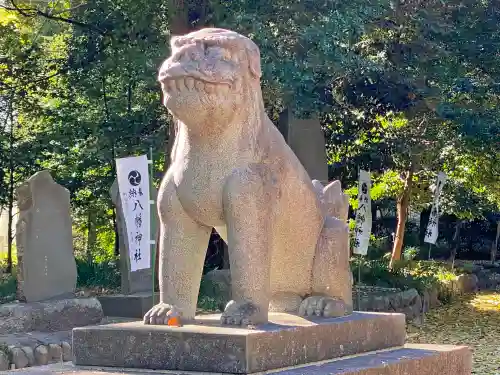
[163,314]
[242,314]
[327,307]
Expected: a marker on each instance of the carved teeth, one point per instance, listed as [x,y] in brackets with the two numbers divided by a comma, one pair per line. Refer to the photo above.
[180,84]
[224,89]
[209,88]
[171,85]
[189,83]
[199,85]
[237,84]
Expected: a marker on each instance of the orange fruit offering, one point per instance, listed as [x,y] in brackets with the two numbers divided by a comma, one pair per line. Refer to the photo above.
[174,321]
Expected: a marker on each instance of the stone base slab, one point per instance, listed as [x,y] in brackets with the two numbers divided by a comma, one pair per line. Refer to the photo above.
[287,340]
[49,316]
[410,360]
[127,305]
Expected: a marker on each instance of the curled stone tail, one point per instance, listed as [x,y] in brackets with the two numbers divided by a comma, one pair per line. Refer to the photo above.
[334,202]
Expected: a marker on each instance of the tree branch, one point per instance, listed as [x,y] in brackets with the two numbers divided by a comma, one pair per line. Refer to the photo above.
[33,12]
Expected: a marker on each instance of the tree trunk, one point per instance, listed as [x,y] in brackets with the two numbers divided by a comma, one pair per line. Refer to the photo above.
[494,247]
[10,235]
[225,255]
[91,235]
[455,242]
[117,237]
[10,232]
[179,25]
[402,208]
[169,144]
[179,17]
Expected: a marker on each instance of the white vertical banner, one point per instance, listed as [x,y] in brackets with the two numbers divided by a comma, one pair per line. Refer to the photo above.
[363,227]
[431,234]
[133,185]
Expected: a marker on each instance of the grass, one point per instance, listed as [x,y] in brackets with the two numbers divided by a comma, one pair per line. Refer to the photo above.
[406,274]
[470,320]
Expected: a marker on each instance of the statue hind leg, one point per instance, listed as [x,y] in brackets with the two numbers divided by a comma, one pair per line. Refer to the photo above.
[331,274]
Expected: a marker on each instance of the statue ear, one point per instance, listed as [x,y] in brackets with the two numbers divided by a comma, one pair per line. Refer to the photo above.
[173,42]
[253,57]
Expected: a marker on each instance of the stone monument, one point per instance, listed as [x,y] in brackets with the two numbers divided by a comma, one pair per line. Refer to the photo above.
[44,239]
[136,287]
[305,137]
[287,236]
[46,271]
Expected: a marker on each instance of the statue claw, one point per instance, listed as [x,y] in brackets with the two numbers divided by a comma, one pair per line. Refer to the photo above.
[163,314]
[241,314]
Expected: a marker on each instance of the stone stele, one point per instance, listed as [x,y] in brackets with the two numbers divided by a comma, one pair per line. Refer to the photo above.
[305,137]
[140,280]
[136,287]
[231,169]
[46,264]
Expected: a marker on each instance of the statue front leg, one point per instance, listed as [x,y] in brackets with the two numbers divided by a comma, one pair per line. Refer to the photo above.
[183,244]
[249,197]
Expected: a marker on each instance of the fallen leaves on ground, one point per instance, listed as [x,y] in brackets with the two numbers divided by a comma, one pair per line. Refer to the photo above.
[470,320]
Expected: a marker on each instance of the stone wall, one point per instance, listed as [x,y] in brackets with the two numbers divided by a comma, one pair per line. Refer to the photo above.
[486,272]
[409,302]
[217,284]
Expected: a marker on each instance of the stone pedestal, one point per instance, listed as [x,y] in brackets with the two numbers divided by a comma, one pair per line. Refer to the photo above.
[360,344]
[409,360]
[287,340]
[134,305]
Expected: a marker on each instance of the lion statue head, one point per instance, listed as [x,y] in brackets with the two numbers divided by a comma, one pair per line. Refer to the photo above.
[212,77]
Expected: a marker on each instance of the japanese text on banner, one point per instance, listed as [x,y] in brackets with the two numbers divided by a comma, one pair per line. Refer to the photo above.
[363,227]
[431,234]
[133,184]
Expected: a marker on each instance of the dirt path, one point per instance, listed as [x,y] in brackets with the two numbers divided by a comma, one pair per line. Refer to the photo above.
[472,321]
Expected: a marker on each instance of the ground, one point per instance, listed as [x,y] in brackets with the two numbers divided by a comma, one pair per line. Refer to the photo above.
[472,321]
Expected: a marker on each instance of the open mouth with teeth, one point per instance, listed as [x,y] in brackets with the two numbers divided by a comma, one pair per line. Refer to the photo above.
[188,83]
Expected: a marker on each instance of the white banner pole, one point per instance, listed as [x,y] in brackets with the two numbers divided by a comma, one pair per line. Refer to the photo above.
[363,227]
[432,232]
[133,184]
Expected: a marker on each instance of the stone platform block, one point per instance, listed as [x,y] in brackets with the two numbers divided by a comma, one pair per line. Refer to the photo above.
[49,316]
[127,305]
[287,340]
[410,360]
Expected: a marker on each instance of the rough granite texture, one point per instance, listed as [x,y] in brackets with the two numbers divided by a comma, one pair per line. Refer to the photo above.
[57,315]
[44,239]
[231,169]
[207,346]
[410,360]
[140,280]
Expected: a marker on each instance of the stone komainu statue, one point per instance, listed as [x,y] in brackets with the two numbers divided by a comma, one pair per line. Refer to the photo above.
[232,170]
